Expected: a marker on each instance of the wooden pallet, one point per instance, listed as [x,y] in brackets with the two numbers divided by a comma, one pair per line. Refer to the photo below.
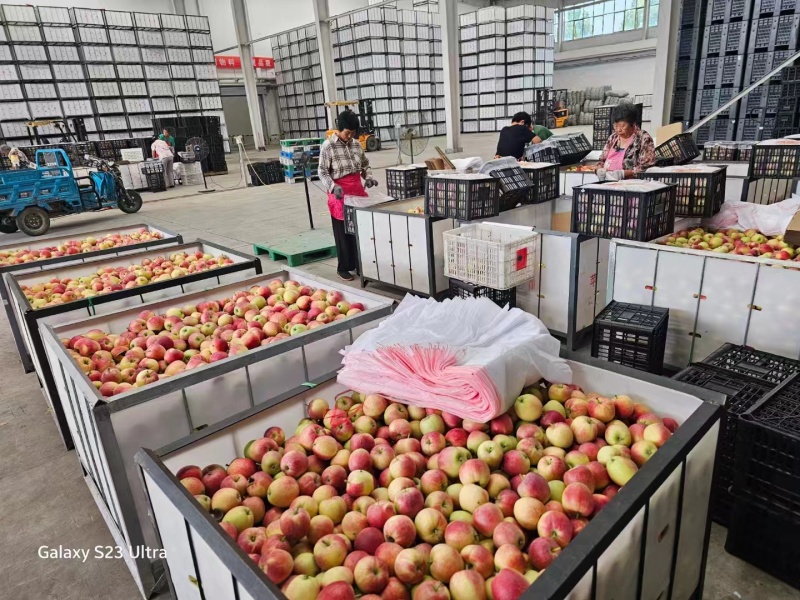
[300,249]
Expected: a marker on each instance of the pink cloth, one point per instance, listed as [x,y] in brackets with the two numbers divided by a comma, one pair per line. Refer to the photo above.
[430,376]
[351,186]
[614,160]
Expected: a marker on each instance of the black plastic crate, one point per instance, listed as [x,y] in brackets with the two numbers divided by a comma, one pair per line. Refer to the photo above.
[686,74]
[751,129]
[713,40]
[572,148]
[775,161]
[724,11]
[790,74]
[735,38]
[515,186]
[678,150]
[682,103]
[156,182]
[463,289]
[721,71]
[768,449]
[697,194]
[546,184]
[612,212]
[405,183]
[692,12]
[742,394]
[632,335]
[707,101]
[466,199]
[540,153]
[766,537]
[768,190]
[756,364]
[150,167]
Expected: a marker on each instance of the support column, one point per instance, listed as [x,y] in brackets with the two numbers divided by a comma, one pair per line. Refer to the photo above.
[448,10]
[321,14]
[248,72]
[669,23]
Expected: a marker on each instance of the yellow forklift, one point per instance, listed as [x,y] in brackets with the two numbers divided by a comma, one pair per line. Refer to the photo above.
[367,136]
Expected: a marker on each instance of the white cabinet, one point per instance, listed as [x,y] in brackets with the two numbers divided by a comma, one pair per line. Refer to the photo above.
[402,249]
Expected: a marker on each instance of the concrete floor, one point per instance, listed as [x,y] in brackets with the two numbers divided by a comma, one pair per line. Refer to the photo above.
[45,501]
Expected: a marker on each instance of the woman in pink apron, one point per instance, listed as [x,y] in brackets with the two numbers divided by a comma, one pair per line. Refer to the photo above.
[342,164]
[629,150]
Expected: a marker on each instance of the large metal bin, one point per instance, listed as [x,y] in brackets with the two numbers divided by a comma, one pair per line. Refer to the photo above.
[650,541]
[108,432]
[168,238]
[401,249]
[569,286]
[713,298]
[29,320]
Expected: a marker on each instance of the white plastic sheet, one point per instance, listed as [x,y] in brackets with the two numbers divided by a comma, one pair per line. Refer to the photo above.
[769,219]
[468,357]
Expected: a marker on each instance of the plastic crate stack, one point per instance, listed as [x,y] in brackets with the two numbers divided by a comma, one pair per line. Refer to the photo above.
[723,48]
[299,78]
[603,125]
[153,171]
[210,129]
[394,58]
[265,173]
[506,58]
[646,100]
[765,491]
[787,121]
[116,70]
[300,158]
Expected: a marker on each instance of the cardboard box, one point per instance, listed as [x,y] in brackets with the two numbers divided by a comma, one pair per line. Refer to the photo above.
[792,235]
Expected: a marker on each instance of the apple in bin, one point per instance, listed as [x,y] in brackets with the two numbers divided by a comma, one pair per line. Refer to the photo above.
[394,512]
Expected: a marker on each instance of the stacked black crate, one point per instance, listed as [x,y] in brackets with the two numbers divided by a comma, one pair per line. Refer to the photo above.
[392,57]
[688,60]
[299,78]
[506,60]
[774,29]
[787,121]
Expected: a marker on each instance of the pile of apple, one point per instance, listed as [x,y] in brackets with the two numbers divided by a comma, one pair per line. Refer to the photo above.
[88,244]
[114,279]
[734,241]
[162,345]
[379,500]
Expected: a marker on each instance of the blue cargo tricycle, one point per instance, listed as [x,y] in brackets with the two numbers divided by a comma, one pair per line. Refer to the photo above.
[29,197]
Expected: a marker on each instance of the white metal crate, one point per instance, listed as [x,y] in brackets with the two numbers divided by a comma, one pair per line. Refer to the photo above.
[24,33]
[211,102]
[149,38]
[521,26]
[197,23]
[209,88]
[109,105]
[13,130]
[467,19]
[200,40]
[129,54]
[205,72]
[160,88]
[30,53]
[40,90]
[138,105]
[15,110]
[163,104]
[202,55]
[493,43]
[35,72]
[74,108]
[100,54]
[59,35]
[101,71]
[113,123]
[19,14]
[153,55]
[116,18]
[494,255]
[61,54]
[469,47]
[469,33]
[142,121]
[169,21]
[179,55]
[130,71]
[156,71]
[182,72]
[188,103]
[105,88]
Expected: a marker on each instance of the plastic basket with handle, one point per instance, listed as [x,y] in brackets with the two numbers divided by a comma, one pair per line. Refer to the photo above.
[494,255]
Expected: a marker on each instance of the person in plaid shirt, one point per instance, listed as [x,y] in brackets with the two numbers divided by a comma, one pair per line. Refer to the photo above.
[342,164]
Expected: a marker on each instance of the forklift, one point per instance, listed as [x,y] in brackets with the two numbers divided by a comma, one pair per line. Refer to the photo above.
[366,131]
[76,134]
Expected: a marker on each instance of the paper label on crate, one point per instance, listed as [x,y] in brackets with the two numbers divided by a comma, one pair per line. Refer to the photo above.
[522,259]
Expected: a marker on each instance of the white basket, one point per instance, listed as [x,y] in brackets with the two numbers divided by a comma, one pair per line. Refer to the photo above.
[494,255]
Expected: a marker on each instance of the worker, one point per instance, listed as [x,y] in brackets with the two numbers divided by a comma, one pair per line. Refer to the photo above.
[629,150]
[162,151]
[15,155]
[342,165]
[519,134]
[165,136]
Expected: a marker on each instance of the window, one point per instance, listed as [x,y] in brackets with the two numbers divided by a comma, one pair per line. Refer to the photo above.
[605,17]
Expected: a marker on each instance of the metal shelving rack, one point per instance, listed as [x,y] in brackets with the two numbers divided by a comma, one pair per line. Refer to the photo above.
[506,57]
[299,78]
[117,70]
[394,58]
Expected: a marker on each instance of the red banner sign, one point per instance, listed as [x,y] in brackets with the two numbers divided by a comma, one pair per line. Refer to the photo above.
[235,62]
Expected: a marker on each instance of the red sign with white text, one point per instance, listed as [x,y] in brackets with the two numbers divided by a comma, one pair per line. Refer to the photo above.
[235,62]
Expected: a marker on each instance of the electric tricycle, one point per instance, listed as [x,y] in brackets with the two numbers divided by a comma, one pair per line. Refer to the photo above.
[30,197]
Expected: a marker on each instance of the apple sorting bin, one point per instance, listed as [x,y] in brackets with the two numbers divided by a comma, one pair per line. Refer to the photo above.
[650,541]
[569,286]
[30,320]
[168,238]
[713,298]
[108,432]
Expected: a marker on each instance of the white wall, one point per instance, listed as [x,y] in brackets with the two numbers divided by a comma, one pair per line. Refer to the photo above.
[635,76]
